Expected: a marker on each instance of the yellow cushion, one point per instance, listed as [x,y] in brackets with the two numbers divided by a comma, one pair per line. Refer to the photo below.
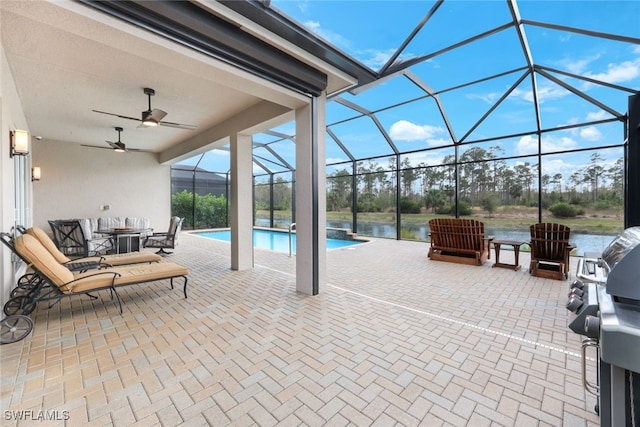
[130,258]
[46,241]
[127,275]
[39,257]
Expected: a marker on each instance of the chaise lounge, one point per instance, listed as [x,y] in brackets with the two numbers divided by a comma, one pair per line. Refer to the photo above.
[57,281]
[91,262]
[459,240]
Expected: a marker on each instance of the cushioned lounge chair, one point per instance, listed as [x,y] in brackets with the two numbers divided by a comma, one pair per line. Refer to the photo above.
[57,281]
[91,262]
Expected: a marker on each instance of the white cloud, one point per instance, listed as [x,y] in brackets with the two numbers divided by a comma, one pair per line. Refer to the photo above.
[554,166]
[577,66]
[598,115]
[617,73]
[545,93]
[377,58]
[330,36]
[438,142]
[529,144]
[590,133]
[403,130]
[489,98]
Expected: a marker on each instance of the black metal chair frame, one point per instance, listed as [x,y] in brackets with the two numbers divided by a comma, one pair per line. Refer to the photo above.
[71,240]
[148,243]
[42,289]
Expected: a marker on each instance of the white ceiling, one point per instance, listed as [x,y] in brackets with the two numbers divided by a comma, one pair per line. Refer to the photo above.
[67,60]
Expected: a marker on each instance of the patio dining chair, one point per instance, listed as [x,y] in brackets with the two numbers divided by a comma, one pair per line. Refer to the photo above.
[166,240]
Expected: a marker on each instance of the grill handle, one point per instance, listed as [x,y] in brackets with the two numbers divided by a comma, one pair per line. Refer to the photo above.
[591,388]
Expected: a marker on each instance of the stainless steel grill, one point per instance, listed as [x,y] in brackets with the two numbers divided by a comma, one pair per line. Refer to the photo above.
[606,303]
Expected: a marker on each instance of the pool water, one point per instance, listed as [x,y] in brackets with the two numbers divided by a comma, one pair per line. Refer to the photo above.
[274,240]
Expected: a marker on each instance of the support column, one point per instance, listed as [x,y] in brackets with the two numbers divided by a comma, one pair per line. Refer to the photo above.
[241,202]
[632,173]
[311,213]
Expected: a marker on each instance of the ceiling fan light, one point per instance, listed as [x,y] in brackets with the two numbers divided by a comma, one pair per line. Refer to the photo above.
[119,150]
[148,120]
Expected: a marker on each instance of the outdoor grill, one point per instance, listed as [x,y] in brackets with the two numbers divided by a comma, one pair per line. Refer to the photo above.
[606,303]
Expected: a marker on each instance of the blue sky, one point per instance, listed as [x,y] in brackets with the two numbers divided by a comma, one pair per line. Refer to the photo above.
[371,31]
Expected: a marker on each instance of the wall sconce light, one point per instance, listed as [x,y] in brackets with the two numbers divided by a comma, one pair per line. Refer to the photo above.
[19,142]
[36,173]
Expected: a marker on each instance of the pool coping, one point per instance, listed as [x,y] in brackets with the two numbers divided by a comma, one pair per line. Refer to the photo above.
[280,230]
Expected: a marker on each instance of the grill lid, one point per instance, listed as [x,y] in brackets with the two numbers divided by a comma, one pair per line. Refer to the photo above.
[622,259]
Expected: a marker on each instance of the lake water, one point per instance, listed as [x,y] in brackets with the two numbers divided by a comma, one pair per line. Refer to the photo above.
[583,242]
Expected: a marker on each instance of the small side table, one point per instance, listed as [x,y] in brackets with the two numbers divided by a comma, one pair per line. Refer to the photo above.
[516,251]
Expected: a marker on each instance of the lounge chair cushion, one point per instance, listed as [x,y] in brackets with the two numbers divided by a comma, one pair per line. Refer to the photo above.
[35,253]
[49,244]
[128,275]
[128,258]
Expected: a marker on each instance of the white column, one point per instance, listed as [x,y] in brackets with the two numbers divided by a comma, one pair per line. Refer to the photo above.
[311,216]
[241,202]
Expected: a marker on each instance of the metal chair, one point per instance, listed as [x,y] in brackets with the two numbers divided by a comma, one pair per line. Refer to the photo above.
[72,240]
[167,240]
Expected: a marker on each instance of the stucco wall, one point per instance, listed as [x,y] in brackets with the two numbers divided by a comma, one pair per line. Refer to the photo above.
[11,117]
[77,181]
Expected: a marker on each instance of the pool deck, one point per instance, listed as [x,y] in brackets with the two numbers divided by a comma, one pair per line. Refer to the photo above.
[394,339]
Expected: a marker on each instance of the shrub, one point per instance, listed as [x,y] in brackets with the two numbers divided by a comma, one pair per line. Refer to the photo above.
[489,204]
[211,211]
[563,210]
[465,209]
[409,206]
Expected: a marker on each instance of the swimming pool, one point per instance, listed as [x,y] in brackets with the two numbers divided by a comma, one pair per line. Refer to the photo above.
[275,240]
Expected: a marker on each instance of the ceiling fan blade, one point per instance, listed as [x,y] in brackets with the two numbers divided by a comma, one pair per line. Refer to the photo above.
[177,125]
[158,114]
[113,145]
[95,146]
[116,115]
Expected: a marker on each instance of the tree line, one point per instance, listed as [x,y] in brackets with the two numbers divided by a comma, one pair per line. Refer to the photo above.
[484,180]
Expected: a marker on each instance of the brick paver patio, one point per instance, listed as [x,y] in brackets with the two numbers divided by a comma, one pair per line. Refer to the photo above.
[396,339]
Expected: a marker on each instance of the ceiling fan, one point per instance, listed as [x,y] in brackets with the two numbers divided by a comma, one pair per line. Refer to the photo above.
[118,146]
[151,117]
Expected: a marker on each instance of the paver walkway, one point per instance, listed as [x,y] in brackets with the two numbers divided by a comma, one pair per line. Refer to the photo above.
[395,339]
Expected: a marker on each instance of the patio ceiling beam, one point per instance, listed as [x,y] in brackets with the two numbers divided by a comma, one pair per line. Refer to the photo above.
[262,13]
[189,25]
